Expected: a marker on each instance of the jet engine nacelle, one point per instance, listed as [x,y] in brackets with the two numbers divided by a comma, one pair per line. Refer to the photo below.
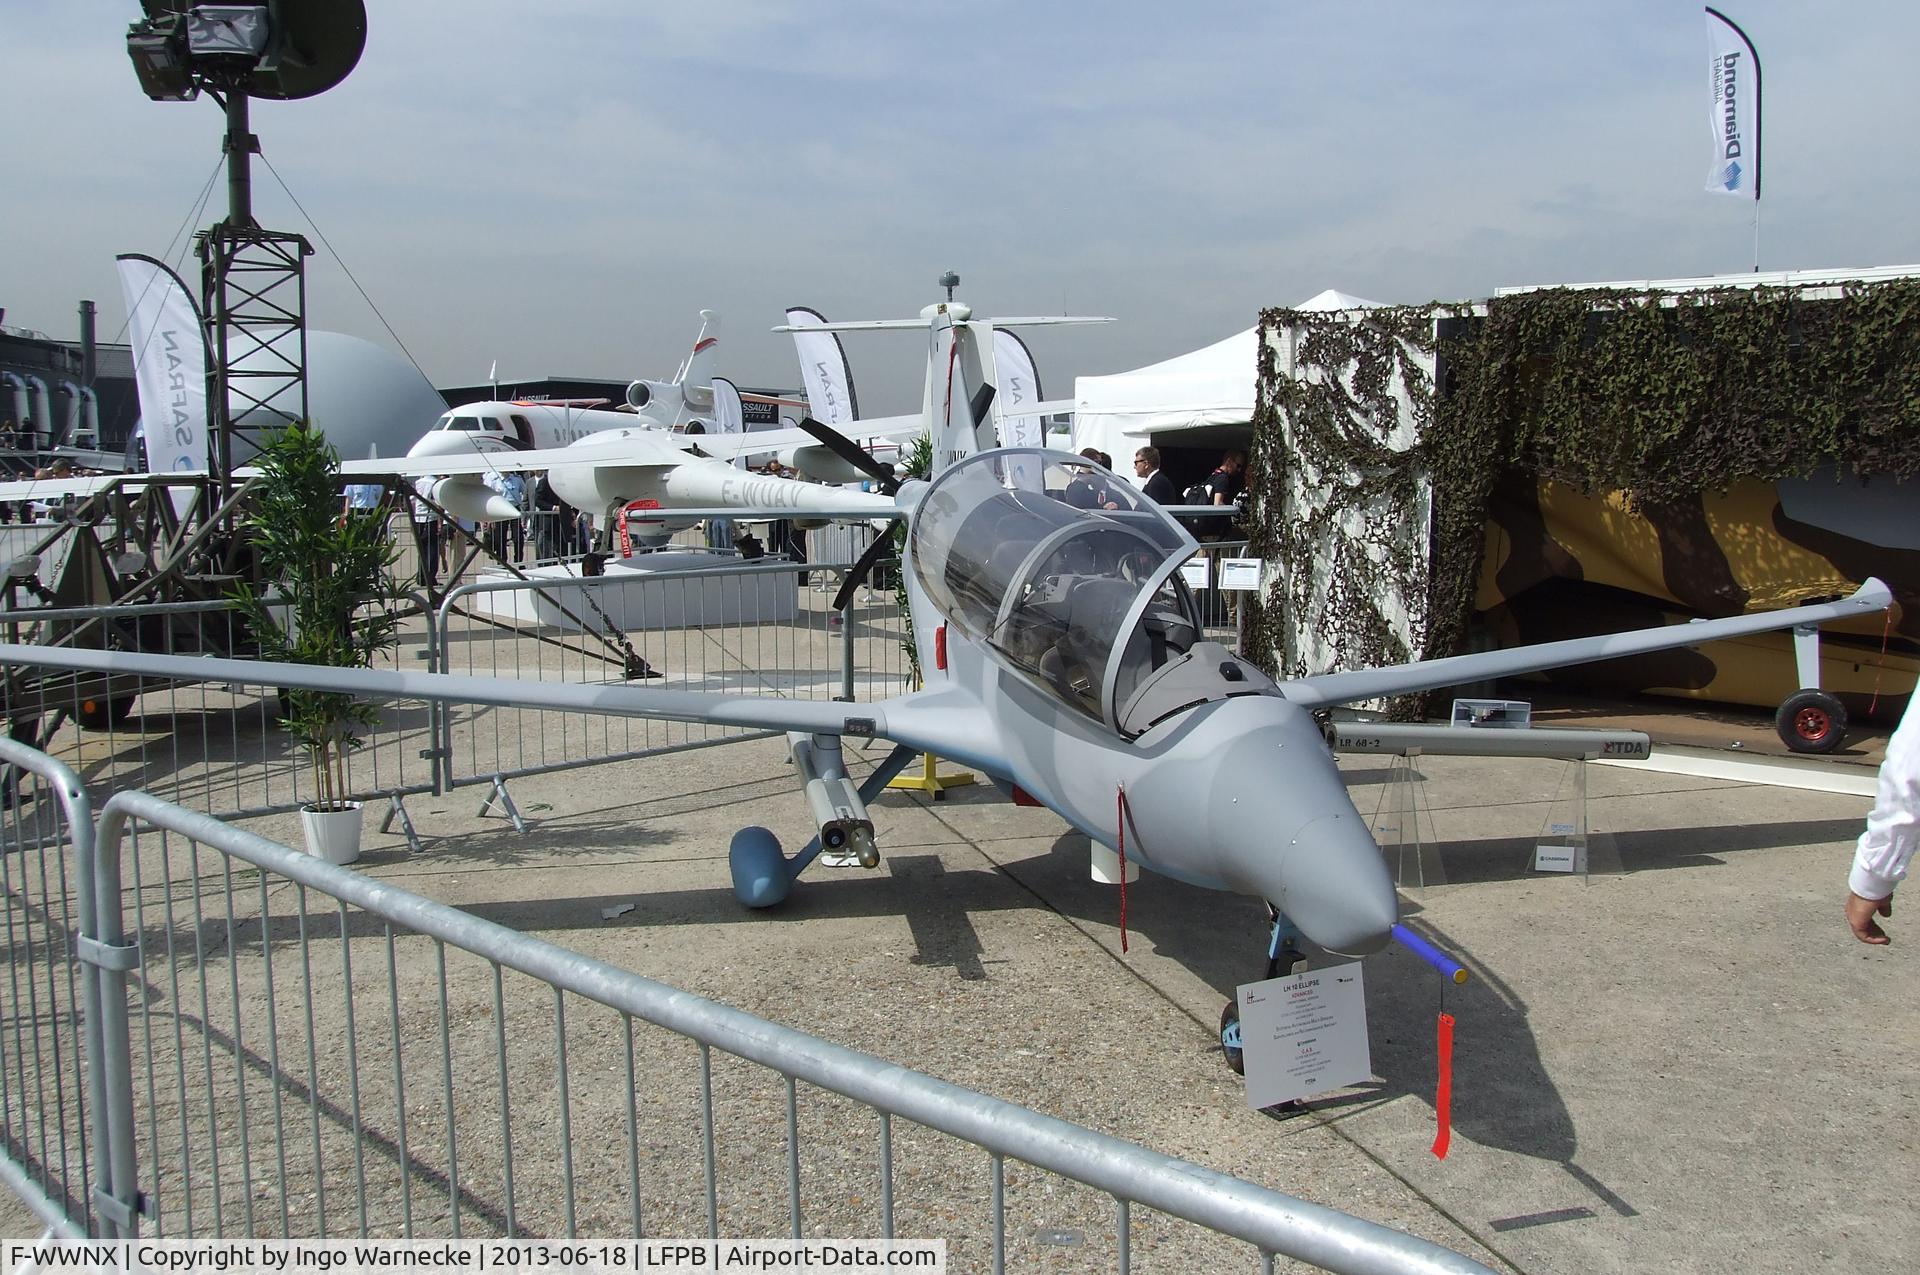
[644,396]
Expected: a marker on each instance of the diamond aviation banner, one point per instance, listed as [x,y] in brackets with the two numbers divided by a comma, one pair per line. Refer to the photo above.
[1733,78]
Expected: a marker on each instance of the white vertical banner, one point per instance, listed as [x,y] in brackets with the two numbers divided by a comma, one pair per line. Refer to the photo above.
[1733,82]
[823,370]
[169,364]
[729,416]
[1017,386]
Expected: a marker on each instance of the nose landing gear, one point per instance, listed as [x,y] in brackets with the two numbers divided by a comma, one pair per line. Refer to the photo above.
[1283,957]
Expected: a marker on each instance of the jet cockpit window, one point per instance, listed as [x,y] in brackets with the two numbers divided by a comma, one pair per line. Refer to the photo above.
[464,422]
[1019,550]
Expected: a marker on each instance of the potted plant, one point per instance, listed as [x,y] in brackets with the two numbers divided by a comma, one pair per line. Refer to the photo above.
[330,567]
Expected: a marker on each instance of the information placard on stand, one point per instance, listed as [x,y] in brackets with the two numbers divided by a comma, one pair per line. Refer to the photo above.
[1304,1034]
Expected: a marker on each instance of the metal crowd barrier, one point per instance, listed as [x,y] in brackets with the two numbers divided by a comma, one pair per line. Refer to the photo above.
[274,1046]
[50,1028]
[211,746]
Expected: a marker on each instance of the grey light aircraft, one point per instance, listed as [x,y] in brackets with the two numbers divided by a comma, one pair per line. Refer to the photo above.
[1063,656]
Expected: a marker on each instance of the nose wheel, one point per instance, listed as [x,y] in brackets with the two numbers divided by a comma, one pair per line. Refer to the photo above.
[1230,1038]
[1283,957]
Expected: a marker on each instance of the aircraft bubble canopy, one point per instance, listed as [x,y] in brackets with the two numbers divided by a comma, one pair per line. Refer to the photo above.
[1019,549]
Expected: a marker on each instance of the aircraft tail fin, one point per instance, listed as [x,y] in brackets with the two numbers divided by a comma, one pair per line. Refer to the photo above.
[960,388]
[695,377]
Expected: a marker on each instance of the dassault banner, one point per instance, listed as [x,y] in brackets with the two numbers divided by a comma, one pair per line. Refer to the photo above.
[169,364]
[824,370]
[1733,77]
[1017,386]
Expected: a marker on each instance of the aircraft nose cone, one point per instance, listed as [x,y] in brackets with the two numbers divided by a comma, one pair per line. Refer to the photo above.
[1335,885]
[1285,828]
[440,442]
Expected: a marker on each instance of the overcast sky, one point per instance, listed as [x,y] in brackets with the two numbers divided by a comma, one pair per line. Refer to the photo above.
[561,186]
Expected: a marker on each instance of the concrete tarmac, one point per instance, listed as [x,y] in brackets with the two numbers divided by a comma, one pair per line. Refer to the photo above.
[1683,1061]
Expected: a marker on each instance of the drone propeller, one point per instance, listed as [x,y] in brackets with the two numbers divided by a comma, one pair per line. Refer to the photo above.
[982,400]
[851,452]
[881,547]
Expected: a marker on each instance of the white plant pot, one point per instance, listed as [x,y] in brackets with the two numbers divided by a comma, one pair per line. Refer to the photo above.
[333,834]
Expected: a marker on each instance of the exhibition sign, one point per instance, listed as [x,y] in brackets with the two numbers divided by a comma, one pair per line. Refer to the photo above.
[1304,1034]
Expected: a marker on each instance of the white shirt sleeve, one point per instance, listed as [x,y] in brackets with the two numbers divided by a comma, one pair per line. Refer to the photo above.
[1893,825]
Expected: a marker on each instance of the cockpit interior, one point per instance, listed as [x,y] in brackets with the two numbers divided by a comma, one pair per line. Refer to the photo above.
[1066,572]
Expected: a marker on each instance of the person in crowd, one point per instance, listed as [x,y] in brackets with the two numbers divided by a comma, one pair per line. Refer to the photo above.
[497,532]
[1156,485]
[427,531]
[1089,490]
[1226,483]
[364,497]
[546,518]
[1885,848]
[513,486]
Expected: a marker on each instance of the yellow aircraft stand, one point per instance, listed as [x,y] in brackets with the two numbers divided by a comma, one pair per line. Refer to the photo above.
[929,781]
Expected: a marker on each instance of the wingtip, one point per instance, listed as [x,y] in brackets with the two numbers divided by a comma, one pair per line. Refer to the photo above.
[1874,593]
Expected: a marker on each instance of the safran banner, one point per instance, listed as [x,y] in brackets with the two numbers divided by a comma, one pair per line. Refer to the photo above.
[169,364]
[1017,386]
[1733,78]
[823,370]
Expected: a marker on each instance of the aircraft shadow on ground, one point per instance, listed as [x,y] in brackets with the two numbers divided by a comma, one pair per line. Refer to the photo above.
[1640,850]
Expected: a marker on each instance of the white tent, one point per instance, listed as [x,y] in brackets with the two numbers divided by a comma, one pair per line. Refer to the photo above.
[1209,387]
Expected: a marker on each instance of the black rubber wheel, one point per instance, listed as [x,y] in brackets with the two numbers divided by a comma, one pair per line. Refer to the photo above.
[1811,721]
[1230,1038]
[103,714]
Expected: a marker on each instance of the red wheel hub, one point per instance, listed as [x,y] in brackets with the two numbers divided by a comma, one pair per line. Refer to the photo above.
[1812,723]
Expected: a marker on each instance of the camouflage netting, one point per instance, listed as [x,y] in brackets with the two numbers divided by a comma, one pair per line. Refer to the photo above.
[1369,486]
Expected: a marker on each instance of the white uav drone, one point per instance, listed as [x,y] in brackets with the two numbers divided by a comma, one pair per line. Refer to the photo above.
[673,450]
[1063,658]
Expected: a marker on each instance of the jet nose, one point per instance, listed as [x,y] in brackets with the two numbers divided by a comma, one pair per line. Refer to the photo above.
[1335,886]
[439,442]
[1283,827]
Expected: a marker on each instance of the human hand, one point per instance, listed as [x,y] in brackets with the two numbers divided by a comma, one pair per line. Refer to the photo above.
[1860,914]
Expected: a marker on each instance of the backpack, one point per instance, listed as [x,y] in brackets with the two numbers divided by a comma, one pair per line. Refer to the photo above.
[1198,494]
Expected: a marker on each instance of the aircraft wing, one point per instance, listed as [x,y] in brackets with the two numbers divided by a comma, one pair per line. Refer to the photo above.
[1046,320]
[941,720]
[727,446]
[1427,675]
[858,325]
[58,488]
[887,325]
[1050,407]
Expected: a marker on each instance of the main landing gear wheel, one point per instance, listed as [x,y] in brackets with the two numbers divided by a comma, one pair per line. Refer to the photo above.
[1230,1038]
[1811,721]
